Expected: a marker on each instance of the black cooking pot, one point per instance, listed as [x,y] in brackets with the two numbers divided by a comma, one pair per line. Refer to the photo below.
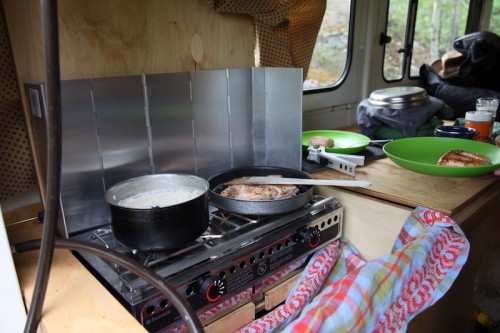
[158,212]
[260,207]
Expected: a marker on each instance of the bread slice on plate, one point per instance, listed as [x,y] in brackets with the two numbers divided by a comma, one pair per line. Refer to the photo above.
[323,141]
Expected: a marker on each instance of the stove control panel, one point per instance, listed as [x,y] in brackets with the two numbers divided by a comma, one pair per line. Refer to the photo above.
[248,266]
[213,288]
[310,236]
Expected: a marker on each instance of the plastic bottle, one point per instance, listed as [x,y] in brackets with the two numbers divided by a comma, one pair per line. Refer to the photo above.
[481,122]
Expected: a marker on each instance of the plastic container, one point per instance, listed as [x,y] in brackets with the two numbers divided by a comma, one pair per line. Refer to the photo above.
[481,122]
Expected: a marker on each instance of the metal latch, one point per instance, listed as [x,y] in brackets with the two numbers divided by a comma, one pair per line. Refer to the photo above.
[344,163]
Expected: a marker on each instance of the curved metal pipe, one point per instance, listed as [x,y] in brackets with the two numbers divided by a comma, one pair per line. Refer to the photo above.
[52,79]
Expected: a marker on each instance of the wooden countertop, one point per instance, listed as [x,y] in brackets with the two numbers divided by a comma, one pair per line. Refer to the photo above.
[395,184]
[75,301]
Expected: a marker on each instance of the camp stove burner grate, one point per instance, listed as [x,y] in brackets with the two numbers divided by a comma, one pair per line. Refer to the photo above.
[234,254]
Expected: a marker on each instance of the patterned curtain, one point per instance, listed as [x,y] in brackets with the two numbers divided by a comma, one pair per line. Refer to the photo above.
[286,30]
[17,170]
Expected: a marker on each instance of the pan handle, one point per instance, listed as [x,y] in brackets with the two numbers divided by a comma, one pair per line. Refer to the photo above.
[298,181]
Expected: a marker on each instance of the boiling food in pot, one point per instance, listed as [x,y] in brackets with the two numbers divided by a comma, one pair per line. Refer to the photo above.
[163,198]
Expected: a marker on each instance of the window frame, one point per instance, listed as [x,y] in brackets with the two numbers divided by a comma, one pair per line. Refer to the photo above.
[407,51]
[348,63]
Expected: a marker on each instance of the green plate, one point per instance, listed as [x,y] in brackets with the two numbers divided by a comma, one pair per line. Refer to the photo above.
[343,142]
[421,154]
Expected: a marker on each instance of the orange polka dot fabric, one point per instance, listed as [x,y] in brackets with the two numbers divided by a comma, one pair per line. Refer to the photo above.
[286,30]
[16,165]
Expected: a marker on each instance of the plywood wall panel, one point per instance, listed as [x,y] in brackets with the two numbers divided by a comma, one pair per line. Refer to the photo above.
[107,38]
[102,38]
[24,25]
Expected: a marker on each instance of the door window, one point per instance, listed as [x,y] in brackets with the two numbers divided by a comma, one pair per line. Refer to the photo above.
[436,24]
[395,39]
[494,25]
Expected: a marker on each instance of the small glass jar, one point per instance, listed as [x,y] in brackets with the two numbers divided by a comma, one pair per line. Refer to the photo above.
[481,122]
[489,104]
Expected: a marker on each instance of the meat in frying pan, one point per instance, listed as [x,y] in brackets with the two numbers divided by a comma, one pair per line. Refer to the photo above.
[260,192]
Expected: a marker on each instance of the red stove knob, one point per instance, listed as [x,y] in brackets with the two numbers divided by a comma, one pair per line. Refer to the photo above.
[310,236]
[213,288]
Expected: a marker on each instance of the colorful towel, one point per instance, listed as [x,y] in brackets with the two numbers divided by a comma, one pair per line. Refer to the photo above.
[381,295]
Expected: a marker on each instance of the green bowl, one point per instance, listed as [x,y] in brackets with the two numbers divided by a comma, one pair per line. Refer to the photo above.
[421,154]
[343,142]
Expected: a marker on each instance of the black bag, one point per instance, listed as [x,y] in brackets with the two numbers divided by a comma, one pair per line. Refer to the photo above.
[481,67]
[478,74]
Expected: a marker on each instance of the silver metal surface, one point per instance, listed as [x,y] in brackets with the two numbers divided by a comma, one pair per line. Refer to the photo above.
[171,120]
[211,121]
[241,104]
[200,123]
[398,94]
[403,105]
[276,120]
[399,97]
[82,186]
[121,125]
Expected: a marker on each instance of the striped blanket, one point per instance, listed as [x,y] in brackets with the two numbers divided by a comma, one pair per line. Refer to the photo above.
[340,292]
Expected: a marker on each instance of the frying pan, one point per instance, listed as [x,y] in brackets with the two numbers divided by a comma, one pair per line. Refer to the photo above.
[218,182]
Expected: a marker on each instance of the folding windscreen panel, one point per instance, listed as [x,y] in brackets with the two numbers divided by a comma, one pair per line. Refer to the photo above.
[201,123]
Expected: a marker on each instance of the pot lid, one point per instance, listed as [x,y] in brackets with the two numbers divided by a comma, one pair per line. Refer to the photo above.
[399,97]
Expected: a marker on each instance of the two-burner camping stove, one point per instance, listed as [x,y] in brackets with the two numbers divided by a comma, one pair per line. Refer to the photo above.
[234,254]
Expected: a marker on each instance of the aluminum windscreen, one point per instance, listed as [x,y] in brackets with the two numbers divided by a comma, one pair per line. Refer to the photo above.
[198,123]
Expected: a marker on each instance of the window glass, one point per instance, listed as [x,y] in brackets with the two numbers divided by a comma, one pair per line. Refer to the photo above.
[329,58]
[495,18]
[396,30]
[438,24]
